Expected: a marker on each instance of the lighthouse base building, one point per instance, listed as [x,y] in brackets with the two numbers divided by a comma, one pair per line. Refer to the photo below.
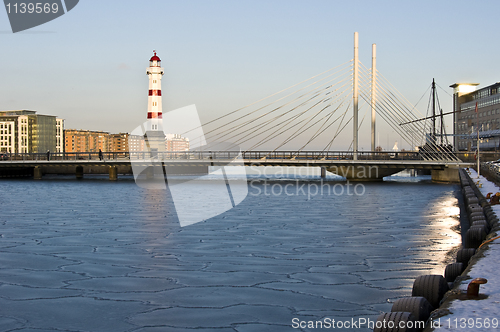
[155,141]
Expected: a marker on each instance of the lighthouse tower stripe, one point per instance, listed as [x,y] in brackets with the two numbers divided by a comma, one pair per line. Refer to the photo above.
[154,115]
[154,92]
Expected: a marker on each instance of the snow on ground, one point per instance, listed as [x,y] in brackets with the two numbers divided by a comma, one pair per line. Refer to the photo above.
[479,315]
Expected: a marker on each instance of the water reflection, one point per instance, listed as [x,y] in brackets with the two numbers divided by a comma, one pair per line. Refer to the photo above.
[443,231]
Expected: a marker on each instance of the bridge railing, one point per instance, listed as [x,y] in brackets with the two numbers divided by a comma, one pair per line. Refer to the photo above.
[331,155]
[52,156]
[229,155]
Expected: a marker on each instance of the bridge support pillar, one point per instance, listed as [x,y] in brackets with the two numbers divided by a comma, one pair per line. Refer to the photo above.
[113,173]
[449,174]
[364,172]
[37,173]
[323,172]
[150,173]
[79,172]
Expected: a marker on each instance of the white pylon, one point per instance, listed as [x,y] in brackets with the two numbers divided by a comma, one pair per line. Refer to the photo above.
[355,98]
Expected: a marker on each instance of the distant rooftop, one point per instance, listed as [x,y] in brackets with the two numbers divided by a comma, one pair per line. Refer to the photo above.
[17,112]
[454,85]
[464,88]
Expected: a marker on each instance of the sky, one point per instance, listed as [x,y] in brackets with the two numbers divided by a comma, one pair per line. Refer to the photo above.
[89,65]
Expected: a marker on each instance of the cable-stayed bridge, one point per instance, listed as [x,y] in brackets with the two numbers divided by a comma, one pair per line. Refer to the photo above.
[307,122]
[302,125]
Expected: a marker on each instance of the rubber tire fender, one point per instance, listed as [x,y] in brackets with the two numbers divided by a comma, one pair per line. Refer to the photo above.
[464,255]
[397,318]
[432,287]
[474,237]
[453,270]
[419,307]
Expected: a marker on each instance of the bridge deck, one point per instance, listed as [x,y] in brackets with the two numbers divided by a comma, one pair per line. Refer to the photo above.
[424,164]
[376,165]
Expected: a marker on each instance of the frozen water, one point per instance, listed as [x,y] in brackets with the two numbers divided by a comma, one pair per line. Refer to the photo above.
[93,255]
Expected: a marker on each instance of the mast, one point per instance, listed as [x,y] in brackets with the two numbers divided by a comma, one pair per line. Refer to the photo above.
[433,134]
[443,131]
[355,99]
[478,154]
[373,96]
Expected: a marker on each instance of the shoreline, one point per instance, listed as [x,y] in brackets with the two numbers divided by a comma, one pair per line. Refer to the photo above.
[481,314]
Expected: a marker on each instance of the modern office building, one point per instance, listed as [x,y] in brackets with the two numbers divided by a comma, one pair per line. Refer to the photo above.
[467,122]
[25,131]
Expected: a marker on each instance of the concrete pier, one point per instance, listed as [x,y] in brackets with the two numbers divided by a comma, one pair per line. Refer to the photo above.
[364,172]
[113,173]
[79,172]
[378,172]
[150,173]
[37,173]
[449,174]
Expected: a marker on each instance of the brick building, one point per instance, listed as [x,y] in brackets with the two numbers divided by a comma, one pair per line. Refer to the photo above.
[85,141]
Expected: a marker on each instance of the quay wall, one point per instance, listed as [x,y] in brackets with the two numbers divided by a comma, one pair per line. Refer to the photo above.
[93,169]
[471,271]
[434,298]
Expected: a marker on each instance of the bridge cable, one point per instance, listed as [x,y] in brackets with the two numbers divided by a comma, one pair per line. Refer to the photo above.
[339,130]
[293,136]
[382,108]
[247,114]
[273,135]
[392,99]
[289,120]
[239,126]
[315,135]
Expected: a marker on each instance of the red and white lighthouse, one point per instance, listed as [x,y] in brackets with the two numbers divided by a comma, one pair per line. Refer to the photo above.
[155,73]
